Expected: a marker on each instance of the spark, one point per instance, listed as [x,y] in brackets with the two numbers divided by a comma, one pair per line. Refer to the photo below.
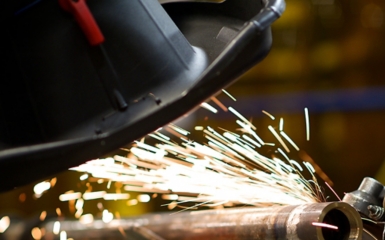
[162,136]
[79,207]
[170,196]
[209,107]
[121,230]
[283,154]
[272,130]
[53,182]
[369,233]
[107,216]
[93,195]
[56,228]
[236,113]
[226,170]
[289,140]
[251,140]
[215,175]
[229,95]
[307,124]
[334,192]
[79,213]
[192,207]
[70,196]
[100,206]
[40,188]
[172,205]
[268,114]
[281,124]
[58,212]
[159,138]
[269,144]
[86,219]
[63,235]
[132,202]
[199,128]
[144,189]
[116,196]
[324,225]
[43,215]
[147,147]
[304,156]
[230,136]
[296,164]
[83,177]
[309,167]
[36,233]
[179,130]
[217,102]
[79,204]
[144,198]
[22,197]
[4,223]
[247,129]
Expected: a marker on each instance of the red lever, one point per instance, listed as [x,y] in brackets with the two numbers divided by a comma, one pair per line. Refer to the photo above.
[85,19]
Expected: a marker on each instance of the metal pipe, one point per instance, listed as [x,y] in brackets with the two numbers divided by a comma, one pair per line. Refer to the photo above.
[285,222]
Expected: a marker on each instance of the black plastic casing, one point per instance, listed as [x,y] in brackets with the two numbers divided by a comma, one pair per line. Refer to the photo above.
[63,101]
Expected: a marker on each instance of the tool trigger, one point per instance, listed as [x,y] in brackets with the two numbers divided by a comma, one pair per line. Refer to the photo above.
[85,19]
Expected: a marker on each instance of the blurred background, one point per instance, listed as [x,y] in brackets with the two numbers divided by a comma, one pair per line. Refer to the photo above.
[328,56]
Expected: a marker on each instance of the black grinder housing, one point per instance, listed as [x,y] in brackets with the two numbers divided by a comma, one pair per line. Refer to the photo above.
[68,95]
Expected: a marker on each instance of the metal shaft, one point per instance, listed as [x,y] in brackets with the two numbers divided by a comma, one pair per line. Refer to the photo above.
[287,222]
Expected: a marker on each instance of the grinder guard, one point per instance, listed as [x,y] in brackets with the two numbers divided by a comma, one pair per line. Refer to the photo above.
[63,101]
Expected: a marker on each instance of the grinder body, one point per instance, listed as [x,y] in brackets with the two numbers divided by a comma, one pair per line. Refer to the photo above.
[64,101]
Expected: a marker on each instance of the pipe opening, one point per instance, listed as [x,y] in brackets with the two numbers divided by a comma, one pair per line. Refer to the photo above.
[339,219]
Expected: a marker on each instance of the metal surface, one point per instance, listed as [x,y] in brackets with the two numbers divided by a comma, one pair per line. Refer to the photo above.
[370,192]
[368,201]
[285,222]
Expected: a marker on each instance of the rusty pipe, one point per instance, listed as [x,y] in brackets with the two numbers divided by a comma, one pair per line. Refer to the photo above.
[284,222]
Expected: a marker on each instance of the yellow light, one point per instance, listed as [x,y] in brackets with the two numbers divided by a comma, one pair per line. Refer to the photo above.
[86,219]
[144,198]
[132,202]
[41,187]
[43,215]
[93,195]
[116,196]
[63,235]
[84,177]
[36,233]
[107,216]
[4,223]
[56,228]
[69,196]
